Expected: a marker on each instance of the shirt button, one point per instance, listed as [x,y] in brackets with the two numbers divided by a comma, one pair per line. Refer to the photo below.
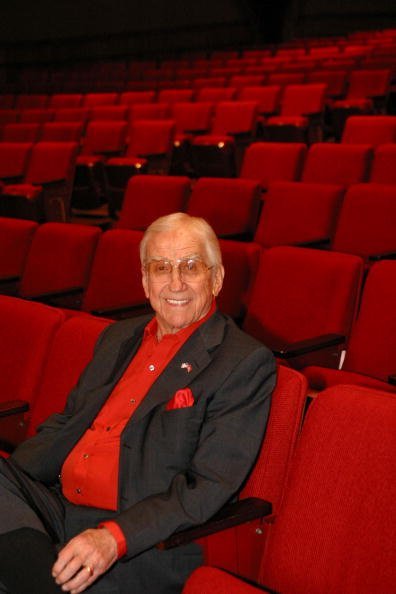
[85,456]
[78,491]
[132,401]
[151,367]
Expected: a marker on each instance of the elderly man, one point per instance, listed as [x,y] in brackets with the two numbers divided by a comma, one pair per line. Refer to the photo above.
[159,433]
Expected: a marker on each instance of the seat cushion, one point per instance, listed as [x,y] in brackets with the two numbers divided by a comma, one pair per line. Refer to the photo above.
[28,191]
[320,378]
[297,121]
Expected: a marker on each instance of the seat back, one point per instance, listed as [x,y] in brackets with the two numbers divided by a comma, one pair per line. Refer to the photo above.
[235,117]
[267,96]
[108,112]
[367,221]
[148,111]
[130,97]
[94,99]
[21,132]
[27,330]
[59,258]
[298,100]
[175,95]
[150,137]
[300,293]
[373,129]
[273,161]
[215,93]
[115,277]
[335,81]
[332,163]
[35,116]
[60,100]
[192,117]
[335,531]
[104,137]
[15,238]
[62,131]
[230,206]
[51,161]
[368,83]
[372,346]
[148,197]
[383,170]
[27,100]
[70,352]
[240,549]
[298,213]
[14,158]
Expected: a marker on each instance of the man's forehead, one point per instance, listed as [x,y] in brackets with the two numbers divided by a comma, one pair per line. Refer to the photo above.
[180,242]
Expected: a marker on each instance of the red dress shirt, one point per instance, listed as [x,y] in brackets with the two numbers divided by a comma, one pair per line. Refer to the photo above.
[90,472]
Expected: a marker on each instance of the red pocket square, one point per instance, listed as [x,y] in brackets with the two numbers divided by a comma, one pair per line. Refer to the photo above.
[181,399]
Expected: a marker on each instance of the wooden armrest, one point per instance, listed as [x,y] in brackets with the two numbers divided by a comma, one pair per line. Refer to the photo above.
[230,515]
[13,407]
[392,379]
[308,345]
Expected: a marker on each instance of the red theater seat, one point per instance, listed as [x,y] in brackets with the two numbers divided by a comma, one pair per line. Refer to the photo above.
[273,161]
[334,163]
[14,158]
[383,170]
[324,532]
[374,130]
[15,238]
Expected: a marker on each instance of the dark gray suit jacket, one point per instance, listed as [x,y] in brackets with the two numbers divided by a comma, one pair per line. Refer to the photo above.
[177,467]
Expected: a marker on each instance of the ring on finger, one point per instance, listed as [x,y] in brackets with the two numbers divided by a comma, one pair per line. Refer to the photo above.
[89,569]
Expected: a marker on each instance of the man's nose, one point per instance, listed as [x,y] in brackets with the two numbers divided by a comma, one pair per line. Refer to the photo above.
[176,281]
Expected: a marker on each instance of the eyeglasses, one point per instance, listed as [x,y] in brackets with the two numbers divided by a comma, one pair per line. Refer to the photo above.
[188,268]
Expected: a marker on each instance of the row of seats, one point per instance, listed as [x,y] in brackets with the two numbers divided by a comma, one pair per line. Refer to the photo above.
[286,296]
[301,460]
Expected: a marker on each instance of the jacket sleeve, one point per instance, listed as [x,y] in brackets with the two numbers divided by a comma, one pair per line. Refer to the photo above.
[229,441]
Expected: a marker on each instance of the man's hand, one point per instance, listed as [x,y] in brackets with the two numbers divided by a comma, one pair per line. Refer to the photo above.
[84,558]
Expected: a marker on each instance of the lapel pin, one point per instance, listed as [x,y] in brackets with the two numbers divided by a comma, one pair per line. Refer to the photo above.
[186,366]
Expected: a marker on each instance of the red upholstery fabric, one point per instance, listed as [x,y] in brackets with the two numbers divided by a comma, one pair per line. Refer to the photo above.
[240,261]
[15,239]
[93,99]
[104,137]
[301,293]
[331,163]
[38,116]
[297,121]
[29,191]
[109,112]
[31,100]
[267,96]
[298,100]
[148,197]
[192,117]
[335,80]
[62,131]
[27,330]
[59,258]
[60,100]
[383,170]
[14,158]
[364,84]
[71,114]
[69,353]
[367,220]
[371,129]
[235,117]
[371,350]
[148,111]
[51,161]
[229,205]
[335,531]
[150,137]
[115,278]
[298,212]
[19,132]
[215,93]
[273,161]
[130,97]
[175,95]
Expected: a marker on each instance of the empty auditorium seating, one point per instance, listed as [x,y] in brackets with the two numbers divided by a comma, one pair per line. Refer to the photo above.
[299,213]
[35,116]
[335,163]
[301,296]
[175,95]
[367,90]
[94,99]
[102,140]
[148,197]
[190,119]
[369,359]
[71,114]
[58,263]
[27,330]
[130,97]
[231,206]
[34,100]
[14,158]
[273,161]
[46,189]
[215,94]
[267,96]
[60,100]
[367,221]
[327,537]
[374,130]
[114,288]
[21,132]
[148,111]
[301,114]
[108,112]
[234,127]
[383,169]
[62,131]
[15,239]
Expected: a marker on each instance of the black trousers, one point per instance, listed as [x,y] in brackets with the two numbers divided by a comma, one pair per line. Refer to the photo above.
[25,502]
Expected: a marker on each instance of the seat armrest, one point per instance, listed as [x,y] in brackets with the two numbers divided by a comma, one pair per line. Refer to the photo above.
[230,515]
[13,407]
[392,379]
[309,345]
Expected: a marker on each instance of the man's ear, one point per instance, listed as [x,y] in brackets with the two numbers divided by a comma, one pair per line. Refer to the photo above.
[218,280]
[145,283]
